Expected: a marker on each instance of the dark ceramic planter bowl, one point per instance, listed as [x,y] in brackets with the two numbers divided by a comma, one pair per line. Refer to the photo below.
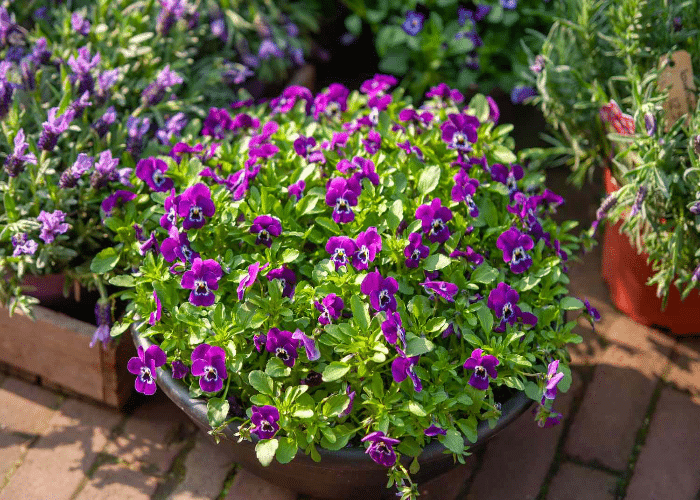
[346,474]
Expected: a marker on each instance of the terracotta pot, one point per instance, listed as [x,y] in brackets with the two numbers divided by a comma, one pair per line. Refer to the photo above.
[626,273]
[346,474]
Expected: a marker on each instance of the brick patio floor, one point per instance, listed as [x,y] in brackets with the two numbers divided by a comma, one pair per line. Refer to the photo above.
[630,430]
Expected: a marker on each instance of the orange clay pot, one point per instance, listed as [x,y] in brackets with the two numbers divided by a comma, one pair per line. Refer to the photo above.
[626,273]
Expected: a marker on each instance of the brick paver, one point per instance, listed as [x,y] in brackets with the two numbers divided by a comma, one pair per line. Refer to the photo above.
[518,459]
[56,463]
[12,449]
[247,486]
[448,486]
[668,464]
[206,467]
[685,367]
[575,482]
[24,407]
[114,481]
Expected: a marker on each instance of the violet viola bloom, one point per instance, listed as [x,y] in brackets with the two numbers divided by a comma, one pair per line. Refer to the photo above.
[14,164]
[409,149]
[421,119]
[434,430]
[52,224]
[470,254]
[281,344]
[169,219]
[268,129]
[312,352]
[381,291]
[250,278]
[378,84]
[287,279]
[151,171]
[266,228]
[290,96]
[402,367]
[415,251]
[484,366]
[297,189]
[381,448]
[592,313]
[373,142]
[434,219]
[552,379]
[494,112]
[195,204]
[103,318]
[217,122]
[202,278]
[179,369]
[330,306]
[459,131]
[442,288]
[22,245]
[155,315]
[444,92]
[53,127]
[392,328]
[503,301]
[177,246]
[342,194]
[507,176]
[144,367]
[341,249]
[464,190]
[264,419]
[514,245]
[209,363]
[332,102]
[413,24]
[369,243]
[118,197]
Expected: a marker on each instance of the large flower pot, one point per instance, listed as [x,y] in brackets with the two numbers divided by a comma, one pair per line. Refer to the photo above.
[345,474]
[627,272]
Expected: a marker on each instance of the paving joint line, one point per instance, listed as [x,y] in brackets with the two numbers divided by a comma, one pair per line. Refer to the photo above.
[177,472]
[226,486]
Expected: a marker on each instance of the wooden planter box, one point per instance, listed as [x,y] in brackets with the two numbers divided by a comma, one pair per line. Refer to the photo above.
[54,351]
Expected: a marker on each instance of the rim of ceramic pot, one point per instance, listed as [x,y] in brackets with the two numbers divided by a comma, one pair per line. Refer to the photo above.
[196,409]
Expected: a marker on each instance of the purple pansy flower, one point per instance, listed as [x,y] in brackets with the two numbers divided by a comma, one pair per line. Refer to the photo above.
[434,430]
[415,251]
[351,394]
[434,219]
[22,245]
[195,204]
[368,243]
[312,352]
[266,227]
[342,194]
[552,379]
[366,171]
[332,102]
[444,289]
[177,246]
[464,190]
[209,363]
[217,122]
[151,171]
[169,219]
[459,131]
[381,291]
[392,328]
[250,278]
[484,366]
[514,245]
[118,197]
[14,164]
[287,279]
[155,315]
[330,306]
[373,142]
[470,254]
[545,417]
[297,189]
[503,301]
[179,369]
[381,448]
[144,367]
[444,92]
[409,149]
[507,176]
[281,344]
[494,112]
[52,224]
[378,84]
[149,244]
[202,278]
[290,96]
[268,129]
[341,249]
[413,23]
[264,419]
[402,367]
[592,313]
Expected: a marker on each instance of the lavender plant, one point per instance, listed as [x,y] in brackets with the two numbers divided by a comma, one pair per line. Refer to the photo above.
[460,44]
[599,76]
[347,269]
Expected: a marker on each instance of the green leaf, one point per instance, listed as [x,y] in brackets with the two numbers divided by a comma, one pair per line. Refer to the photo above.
[501,154]
[480,106]
[286,451]
[418,345]
[290,255]
[571,304]
[276,368]
[436,261]
[409,446]
[353,24]
[261,382]
[334,371]
[335,405]
[217,411]
[360,313]
[484,274]
[485,318]
[532,391]
[394,215]
[105,260]
[453,441]
[416,409]
[429,178]
[265,451]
